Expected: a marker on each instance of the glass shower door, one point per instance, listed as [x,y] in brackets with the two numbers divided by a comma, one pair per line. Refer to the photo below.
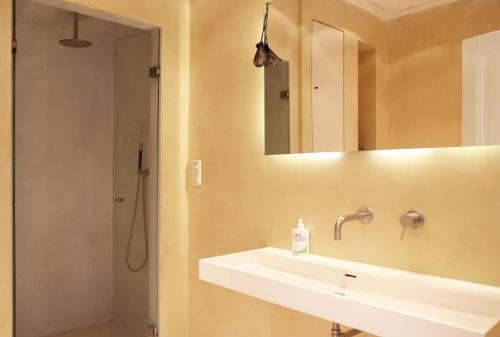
[135,217]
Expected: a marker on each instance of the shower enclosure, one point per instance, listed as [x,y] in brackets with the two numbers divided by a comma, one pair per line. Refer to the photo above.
[135,186]
[86,175]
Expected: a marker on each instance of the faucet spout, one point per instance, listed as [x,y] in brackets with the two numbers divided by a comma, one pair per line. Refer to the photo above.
[363,215]
[338,228]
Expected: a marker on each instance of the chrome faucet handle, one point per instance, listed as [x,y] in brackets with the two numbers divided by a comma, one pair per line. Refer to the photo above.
[412,219]
[365,215]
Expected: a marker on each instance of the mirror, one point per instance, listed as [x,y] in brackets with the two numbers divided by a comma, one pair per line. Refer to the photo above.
[367,75]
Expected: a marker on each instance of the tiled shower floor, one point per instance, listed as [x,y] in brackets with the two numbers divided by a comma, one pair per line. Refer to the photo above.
[101,330]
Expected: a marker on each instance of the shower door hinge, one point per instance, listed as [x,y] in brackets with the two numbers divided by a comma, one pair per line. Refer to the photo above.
[154,71]
[153,330]
[14,46]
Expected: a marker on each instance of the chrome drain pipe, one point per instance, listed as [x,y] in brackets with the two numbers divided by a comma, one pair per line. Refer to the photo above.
[337,332]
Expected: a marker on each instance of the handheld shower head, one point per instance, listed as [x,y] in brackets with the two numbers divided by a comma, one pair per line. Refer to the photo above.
[139,161]
[75,42]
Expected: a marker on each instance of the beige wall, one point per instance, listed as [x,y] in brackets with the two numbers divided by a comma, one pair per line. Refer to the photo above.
[425,72]
[250,201]
[173,17]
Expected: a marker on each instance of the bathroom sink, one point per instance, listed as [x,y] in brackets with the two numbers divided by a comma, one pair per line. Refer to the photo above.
[381,301]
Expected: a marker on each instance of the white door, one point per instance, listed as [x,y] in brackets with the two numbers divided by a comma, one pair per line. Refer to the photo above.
[480,90]
[328,88]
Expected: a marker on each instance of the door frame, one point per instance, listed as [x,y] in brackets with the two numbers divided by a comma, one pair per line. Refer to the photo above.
[474,52]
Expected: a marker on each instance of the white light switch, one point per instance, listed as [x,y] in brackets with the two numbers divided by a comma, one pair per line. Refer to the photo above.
[197,172]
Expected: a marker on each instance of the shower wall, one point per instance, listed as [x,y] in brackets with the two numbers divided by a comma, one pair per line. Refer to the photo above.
[64,164]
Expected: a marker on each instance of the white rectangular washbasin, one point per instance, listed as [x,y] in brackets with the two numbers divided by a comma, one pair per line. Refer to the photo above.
[381,301]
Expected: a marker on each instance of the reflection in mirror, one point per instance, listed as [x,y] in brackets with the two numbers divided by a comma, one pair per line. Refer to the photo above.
[367,75]
[277,109]
[327,96]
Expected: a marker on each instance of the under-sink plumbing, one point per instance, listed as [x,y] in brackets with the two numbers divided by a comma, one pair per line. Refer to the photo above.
[337,332]
[363,215]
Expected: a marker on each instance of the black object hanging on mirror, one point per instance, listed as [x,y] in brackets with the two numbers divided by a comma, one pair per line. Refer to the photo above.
[264,55]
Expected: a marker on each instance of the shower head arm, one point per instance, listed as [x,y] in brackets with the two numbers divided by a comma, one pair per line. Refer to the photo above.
[75,42]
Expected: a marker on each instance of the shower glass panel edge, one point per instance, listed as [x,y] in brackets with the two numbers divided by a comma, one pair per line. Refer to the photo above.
[155,109]
[136,128]
[13,140]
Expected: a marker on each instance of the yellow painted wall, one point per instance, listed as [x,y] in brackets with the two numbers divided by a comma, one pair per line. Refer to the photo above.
[425,71]
[5,171]
[249,200]
[173,17]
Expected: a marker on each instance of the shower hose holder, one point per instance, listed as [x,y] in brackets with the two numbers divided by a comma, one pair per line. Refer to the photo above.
[143,172]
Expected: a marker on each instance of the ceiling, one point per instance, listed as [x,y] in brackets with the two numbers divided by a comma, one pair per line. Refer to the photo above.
[391,9]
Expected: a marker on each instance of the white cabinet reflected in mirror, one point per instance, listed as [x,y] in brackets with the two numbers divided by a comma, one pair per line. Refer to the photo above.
[369,75]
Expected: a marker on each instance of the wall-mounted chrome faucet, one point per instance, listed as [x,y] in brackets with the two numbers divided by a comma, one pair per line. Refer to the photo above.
[363,215]
[411,219]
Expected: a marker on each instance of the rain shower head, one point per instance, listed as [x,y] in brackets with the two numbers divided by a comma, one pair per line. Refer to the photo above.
[75,42]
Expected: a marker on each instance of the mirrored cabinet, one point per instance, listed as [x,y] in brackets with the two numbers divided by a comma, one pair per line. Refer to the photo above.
[359,77]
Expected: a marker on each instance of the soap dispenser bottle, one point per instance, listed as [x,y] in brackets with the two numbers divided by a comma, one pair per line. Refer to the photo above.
[300,239]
